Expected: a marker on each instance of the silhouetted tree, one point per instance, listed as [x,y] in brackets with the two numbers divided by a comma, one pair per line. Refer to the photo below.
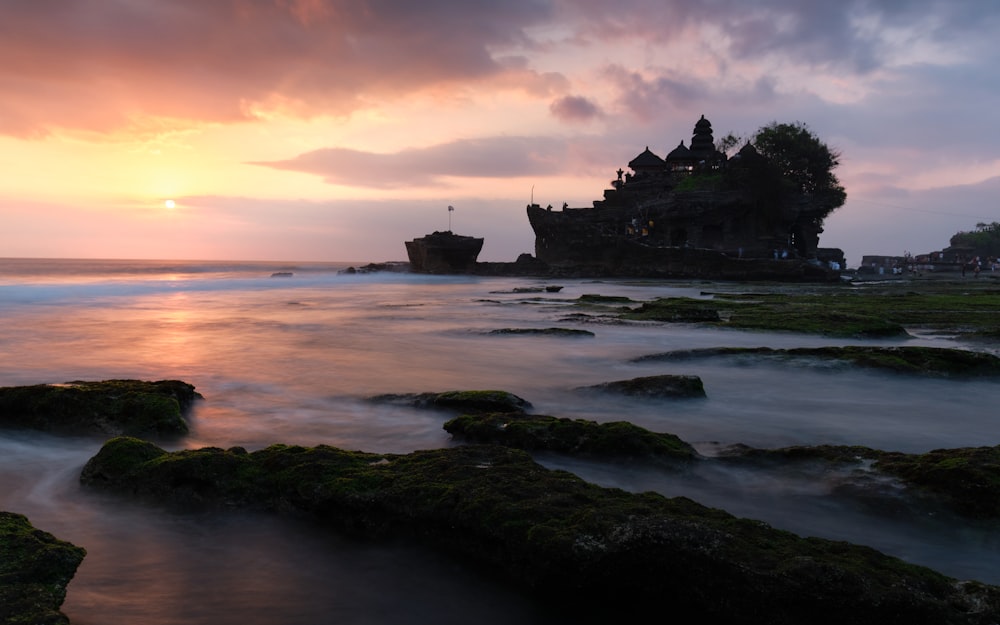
[983,241]
[804,163]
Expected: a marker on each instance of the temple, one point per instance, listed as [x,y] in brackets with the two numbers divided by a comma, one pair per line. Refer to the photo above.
[694,198]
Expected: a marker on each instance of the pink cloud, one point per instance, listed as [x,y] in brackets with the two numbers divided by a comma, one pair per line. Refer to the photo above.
[495,157]
[574,108]
[93,63]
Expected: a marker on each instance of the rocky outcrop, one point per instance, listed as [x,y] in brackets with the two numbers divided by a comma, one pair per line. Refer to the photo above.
[458,401]
[965,480]
[567,332]
[585,549]
[109,408]
[929,361]
[443,252]
[654,386]
[618,440]
[35,568]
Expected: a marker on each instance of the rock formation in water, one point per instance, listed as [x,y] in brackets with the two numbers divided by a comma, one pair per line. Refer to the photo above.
[35,568]
[582,548]
[109,408]
[443,252]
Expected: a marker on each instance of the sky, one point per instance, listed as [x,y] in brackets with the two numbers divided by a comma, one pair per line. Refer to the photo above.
[334,130]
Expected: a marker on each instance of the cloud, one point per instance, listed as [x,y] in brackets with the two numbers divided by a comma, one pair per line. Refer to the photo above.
[574,108]
[98,65]
[495,157]
[94,64]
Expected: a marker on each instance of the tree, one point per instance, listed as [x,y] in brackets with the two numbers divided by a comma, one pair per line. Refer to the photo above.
[983,241]
[730,143]
[804,163]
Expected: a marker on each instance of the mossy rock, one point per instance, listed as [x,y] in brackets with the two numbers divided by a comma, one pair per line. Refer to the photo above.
[931,361]
[968,478]
[595,298]
[587,550]
[458,401]
[827,322]
[35,568]
[676,310]
[654,386]
[109,408]
[882,310]
[616,440]
[835,454]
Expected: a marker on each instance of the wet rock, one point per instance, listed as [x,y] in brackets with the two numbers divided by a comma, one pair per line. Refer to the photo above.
[600,552]
[111,407]
[966,480]
[655,386]
[933,361]
[458,401]
[35,568]
[616,440]
[676,310]
[568,332]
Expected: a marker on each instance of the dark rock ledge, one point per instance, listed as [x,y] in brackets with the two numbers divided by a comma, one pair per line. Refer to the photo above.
[567,332]
[108,408]
[965,479]
[653,386]
[930,361]
[615,441]
[35,568]
[457,401]
[598,551]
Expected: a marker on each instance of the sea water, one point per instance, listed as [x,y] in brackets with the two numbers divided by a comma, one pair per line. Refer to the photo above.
[291,359]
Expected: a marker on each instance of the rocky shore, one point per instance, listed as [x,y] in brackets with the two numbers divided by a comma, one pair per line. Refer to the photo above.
[589,550]
[596,553]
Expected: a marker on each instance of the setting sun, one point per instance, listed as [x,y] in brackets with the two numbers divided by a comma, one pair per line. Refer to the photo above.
[169,204]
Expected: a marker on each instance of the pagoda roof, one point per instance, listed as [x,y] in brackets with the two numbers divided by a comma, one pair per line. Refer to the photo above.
[680,153]
[646,160]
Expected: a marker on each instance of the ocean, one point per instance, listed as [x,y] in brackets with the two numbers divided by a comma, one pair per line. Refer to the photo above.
[291,359]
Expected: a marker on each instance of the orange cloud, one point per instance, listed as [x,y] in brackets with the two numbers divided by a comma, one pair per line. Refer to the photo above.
[96,65]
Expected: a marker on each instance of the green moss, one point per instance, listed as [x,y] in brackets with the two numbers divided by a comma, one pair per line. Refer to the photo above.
[35,568]
[577,544]
[596,298]
[480,401]
[121,455]
[934,361]
[573,436]
[115,407]
[676,309]
[700,182]
[866,311]
[969,478]
[966,479]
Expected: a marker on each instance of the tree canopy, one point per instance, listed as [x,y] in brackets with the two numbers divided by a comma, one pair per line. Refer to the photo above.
[804,162]
[983,241]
